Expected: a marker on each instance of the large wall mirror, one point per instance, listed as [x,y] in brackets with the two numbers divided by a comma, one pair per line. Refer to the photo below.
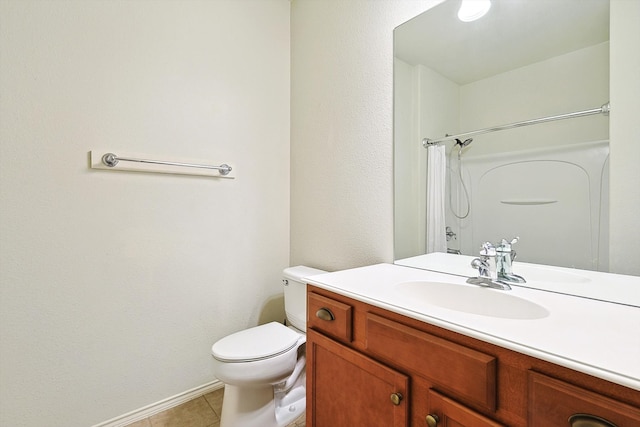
[546,183]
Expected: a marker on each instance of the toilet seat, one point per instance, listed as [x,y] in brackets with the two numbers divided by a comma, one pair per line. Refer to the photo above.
[257,343]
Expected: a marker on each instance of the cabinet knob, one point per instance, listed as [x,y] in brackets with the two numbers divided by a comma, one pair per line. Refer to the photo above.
[432,420]
[586,420]
[325,314]
[396,398]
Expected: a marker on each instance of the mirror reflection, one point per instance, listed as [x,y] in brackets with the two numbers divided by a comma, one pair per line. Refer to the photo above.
[546,182]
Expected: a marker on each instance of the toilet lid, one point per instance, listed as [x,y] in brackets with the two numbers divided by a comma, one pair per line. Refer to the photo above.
[260,342]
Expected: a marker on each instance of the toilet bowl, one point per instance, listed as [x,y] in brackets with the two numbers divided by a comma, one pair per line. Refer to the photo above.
[263,367]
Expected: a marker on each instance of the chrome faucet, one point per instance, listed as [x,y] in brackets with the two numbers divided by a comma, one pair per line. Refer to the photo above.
[505,256]
[494,266]
[487,269]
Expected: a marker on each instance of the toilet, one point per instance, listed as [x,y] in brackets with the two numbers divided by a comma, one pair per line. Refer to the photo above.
[263,367]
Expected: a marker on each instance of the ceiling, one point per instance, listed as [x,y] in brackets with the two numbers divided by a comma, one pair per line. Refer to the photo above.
[513,34]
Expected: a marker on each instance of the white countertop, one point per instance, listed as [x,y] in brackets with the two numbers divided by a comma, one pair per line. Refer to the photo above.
[591,336]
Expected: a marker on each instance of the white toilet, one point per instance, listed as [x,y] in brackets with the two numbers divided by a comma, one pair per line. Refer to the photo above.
[263,368]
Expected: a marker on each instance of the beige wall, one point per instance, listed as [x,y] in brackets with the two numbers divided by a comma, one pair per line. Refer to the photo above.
[342,130]
[114,285]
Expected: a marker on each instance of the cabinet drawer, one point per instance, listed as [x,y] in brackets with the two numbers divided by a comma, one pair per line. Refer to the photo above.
[329,316]
[452,367]
[449,413]
[553,402]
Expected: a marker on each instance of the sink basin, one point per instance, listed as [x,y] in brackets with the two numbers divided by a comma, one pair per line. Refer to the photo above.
[472,299]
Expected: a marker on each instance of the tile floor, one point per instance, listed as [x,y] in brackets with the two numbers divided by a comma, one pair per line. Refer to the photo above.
[203,411]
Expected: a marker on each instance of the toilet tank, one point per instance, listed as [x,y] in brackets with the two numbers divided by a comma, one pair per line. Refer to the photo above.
[295,294]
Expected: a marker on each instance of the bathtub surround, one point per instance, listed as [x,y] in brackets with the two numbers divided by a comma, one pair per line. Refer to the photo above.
[498,209]
[122,322]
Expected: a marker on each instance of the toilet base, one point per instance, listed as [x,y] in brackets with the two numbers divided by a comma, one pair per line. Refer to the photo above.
[256,406]
[248,407]
[291,405]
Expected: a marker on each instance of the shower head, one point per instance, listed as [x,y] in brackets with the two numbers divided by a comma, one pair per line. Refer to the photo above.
[464,143]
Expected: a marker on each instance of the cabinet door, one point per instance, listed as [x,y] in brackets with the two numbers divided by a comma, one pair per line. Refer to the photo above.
[348,389]
[555,403]
[446,412]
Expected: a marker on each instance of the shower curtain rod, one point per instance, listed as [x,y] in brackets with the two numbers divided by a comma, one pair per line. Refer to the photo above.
[604,109]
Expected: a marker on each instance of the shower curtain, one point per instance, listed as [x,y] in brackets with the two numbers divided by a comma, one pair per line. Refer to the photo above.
[436,239]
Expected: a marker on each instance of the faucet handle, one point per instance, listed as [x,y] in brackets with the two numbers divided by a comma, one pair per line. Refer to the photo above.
[488,249]
[505,245]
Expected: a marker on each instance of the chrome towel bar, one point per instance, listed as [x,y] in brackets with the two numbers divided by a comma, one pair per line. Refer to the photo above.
[111,160]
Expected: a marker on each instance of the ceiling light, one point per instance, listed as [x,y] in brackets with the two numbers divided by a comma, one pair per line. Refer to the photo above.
[470,10]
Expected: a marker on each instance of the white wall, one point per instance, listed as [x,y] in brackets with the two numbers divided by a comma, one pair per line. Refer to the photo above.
[624,251]
[408,163]
[432,103]
[341,129]
[114,285]
[571,82]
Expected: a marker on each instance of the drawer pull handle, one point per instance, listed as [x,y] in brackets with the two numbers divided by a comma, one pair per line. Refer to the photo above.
[586,420]
[325,314]
[396,398]
[432,420]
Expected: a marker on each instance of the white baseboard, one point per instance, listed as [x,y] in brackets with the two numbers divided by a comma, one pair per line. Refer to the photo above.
[163,405]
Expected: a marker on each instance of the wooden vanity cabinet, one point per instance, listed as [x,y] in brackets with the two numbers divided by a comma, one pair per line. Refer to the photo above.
[370,367]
